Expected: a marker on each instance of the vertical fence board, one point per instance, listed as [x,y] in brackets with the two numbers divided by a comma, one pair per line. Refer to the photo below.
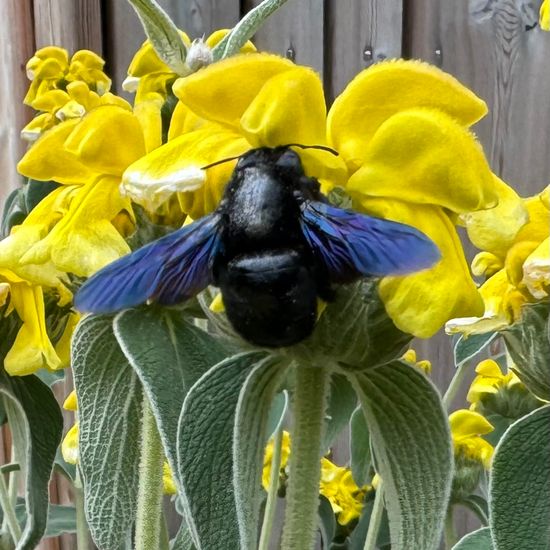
[73,24]
[17,45]
[296,31]
[360,33]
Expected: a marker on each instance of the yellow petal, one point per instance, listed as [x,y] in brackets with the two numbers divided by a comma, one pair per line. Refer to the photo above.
[70,403]
[4,293]
[536,271]
[538,227]
[219,35]
[217,305]
[63,345]
[51,101]
[84,241]
[47,159]
[183,120]
[289,108]
[465,423]
[420,303]
[486,264]
[69,445]
[169,487]
[37,126]
[176,167]
[425,157]
[223,91]
[387,88]
[32,348]
[502,306]
[495,229]
[489,368]
[107,140]
[148,112]
[515,259]
[545,15]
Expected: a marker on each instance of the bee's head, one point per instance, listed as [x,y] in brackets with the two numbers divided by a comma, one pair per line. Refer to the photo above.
[282,158]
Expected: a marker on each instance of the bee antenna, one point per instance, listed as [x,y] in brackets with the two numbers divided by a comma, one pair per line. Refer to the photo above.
[320,147]
[229,159]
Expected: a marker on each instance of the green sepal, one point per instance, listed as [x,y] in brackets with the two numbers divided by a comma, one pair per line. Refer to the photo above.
[528,342]
[467,348]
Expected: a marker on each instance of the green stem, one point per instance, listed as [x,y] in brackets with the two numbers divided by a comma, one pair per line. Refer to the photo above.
[150,483]
[9,511]
[451,537]
[455,384]
[82,531]
[309,403]
[375,518]
[271,503]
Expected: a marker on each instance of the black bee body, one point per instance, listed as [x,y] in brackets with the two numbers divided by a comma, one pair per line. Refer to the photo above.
[268,277]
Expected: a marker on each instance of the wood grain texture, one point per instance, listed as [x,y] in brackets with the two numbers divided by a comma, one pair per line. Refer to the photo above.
[296,30]
[358,34]
[17,45]
[73,24]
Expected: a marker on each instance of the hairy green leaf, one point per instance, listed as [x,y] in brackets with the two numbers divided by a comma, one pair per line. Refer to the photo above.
[520,477]
[109,402]
[169,355]
[359,442]
[205,452]
[245,29]
[411,442]
[249,442]
[478,540]
[467,348]
[341,404]
[36,425]
[163,34]
[277,412]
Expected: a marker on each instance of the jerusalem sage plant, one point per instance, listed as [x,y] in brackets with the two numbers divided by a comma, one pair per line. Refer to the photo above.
[169,395]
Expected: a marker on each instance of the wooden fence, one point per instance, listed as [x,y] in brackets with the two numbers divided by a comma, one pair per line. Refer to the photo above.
[493,46]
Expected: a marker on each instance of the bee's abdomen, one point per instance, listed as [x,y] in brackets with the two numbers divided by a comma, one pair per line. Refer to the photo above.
[270,297]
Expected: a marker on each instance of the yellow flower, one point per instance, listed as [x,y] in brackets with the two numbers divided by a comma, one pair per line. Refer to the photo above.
[518,267]
[467,427]
[545,15]
[77,228]
[69,445]
[50,69]
[268,457]
[71,403]
[32,348]
[59,105]
[489,380]
[228,108]
[148,73]
[410,357]
[168,480]
[345,497]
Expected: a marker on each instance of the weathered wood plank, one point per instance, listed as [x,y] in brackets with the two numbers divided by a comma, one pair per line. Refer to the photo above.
[358,34]
[17,45]
[295,30]
[73,24]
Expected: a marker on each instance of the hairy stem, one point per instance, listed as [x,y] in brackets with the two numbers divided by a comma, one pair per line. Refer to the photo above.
[451,537]
[82,530]
[375,518]
[150,483]
[455,384]
[309,403]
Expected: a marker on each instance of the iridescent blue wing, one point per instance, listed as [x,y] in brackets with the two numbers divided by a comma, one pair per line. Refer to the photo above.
[351,245]
[168,270]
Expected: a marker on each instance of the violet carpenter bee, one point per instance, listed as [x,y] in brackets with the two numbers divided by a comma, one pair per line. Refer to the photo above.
[274,246]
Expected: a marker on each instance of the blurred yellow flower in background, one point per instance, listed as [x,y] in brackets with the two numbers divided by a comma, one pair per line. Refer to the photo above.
[545,15]
[467,427]
[424,365]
